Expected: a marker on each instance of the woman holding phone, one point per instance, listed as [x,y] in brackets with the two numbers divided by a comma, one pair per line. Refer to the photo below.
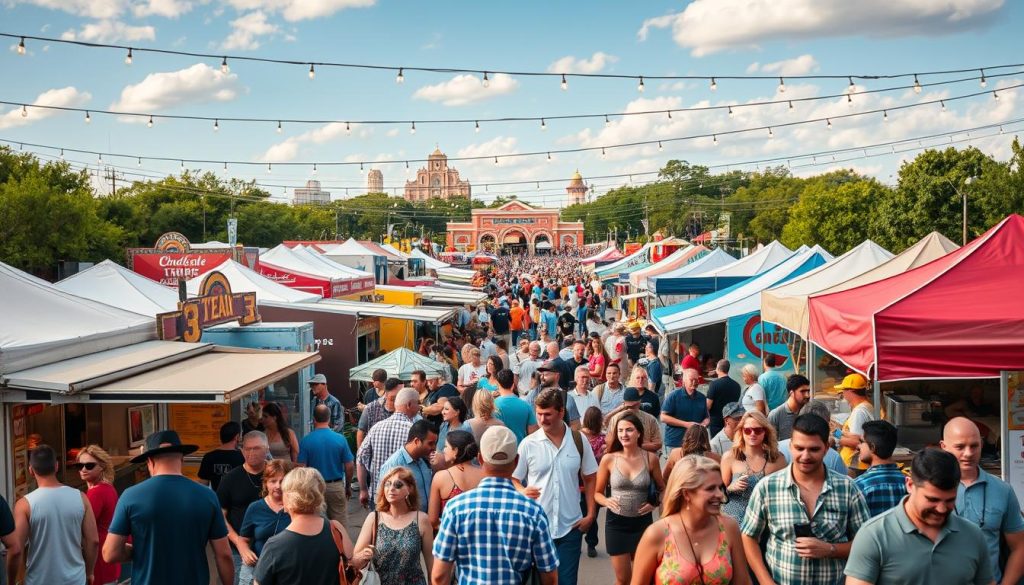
[754,455]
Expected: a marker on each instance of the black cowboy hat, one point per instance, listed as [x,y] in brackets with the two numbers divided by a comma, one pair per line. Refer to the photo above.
[163,442]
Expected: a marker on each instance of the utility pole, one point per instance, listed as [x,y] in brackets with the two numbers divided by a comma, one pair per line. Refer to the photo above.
[111,175]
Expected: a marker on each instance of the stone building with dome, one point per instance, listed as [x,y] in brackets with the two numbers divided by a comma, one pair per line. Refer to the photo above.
[436,181]
[577,190]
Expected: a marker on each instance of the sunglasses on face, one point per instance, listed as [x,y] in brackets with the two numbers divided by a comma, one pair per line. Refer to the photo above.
[753,430]
[396,484]
[89,466]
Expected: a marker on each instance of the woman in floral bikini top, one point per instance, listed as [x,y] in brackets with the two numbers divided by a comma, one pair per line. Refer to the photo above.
[693,543]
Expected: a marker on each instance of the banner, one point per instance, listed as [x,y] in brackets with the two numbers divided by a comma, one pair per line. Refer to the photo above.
[748,344]
[215,304]
[168,268]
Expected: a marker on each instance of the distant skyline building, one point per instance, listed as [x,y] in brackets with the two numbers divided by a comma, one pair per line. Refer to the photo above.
[577,190]
[375,181]
[311,194]
[436,181]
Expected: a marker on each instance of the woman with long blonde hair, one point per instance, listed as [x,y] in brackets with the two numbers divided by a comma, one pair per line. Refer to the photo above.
[754,454]
[485,415]
[692,543]
[96,469]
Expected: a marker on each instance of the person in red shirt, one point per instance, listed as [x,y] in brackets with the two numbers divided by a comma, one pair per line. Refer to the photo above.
[517,321]
[96,469]
[691,361]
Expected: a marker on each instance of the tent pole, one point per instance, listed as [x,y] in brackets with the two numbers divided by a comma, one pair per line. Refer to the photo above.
[1004,425]
[878,400]
[809,351]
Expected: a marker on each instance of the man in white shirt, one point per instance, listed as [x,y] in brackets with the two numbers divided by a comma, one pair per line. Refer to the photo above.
[581,394]
[470,374]
[551,462]
[609,394]
[487,348]
[527,367]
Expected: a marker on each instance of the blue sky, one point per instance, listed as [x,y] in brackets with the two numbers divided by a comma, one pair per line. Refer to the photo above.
[704,38]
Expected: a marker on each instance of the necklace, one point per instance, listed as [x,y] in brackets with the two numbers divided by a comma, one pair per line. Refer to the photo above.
[256,484]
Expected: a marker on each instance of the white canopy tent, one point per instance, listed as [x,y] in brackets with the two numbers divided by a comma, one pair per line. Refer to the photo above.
[115,285]
[321,260]
[786,305]
[930,247]
[399,363]
[243,279]
[755,263]
[612,270]
[431,263]
[717,258]
[44,324]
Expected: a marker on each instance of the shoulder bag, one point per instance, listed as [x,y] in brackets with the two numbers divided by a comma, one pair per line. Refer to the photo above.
[370,574]
[347,574]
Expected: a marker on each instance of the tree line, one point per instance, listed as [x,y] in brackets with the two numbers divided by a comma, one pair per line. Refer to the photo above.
[50,212]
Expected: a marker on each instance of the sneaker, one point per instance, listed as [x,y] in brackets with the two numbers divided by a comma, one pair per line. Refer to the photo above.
[591,552]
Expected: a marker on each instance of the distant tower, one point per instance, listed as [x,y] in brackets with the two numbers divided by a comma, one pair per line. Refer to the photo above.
[576,189]
[375,181]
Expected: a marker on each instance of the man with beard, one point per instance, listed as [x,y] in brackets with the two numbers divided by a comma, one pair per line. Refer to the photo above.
[811,515]
[921,541]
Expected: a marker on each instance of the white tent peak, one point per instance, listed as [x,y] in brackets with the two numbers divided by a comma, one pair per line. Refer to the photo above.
[110,283]
[243,279]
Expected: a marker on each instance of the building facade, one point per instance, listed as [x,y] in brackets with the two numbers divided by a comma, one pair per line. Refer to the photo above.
[375,181]
[436,181]
[514,228]
[311,194]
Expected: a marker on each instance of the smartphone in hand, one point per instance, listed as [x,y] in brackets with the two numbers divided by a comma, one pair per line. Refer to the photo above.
[803,529]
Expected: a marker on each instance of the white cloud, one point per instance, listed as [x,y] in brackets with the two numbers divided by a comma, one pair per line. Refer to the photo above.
[802,65]
[65,97]
[88,8]
[393,132]
[110,31]
[294,10]
[288,149]
[164,8]
[196,84]
[569,64]
[707,26]
[466,89]
[247,30]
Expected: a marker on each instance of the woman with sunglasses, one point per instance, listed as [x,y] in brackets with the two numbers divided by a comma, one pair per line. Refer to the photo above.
[96,469]
[283,442]
[265,517]
[396,534]
[754,454]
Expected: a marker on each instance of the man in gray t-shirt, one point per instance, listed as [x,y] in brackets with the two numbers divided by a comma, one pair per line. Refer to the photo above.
[798,389]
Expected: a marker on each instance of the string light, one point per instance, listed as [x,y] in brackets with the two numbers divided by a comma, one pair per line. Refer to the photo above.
[714,139]
[24,112]
[791,105]
[216,125]
[983,81]
[88,119]
[852,87]
[314,168]
[412,129]
[917,84]
[139,163]
[730,111]
[782,85]
[100,158]
[477,129]
[543,124]
[714,84]
[669,114]
[660,147]
[348,128]
[549,157]
[225,169]
[21,46]
[149,124]
[486,82]
[829,123]
[312,72]
[224,66]
[62,154]
[640,86]
[269,170]
[565,84]
[279,128]
[770,133]
[360,168]
[885,115]
[943,104]
[602,152]
[495,160]
[607,122]
[995,95]
[849,100]
[400,78]
[128,59]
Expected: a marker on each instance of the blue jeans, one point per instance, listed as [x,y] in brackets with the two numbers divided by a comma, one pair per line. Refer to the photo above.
[237,560]
[245,574]
[569,548]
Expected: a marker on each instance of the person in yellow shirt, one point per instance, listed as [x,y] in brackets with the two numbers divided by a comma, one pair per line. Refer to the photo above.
[855,391]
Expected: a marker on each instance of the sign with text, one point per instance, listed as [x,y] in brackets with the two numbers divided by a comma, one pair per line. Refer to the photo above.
[167,269]
[513,220]
[749,343]
[215,304]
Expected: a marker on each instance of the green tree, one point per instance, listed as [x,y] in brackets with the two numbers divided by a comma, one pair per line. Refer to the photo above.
[834,211]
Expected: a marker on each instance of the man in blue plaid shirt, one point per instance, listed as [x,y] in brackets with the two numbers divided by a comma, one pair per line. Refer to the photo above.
[883,484]
[811,515]
[492,534]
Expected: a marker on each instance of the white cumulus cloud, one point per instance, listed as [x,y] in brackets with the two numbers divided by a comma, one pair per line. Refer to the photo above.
[570,64]
[196,84]
[246,31]
[295,10]
[288,149]
[707,26]
[802,65]
[69,97]
[466,89]
[87,8]
[164,8]
[110,31]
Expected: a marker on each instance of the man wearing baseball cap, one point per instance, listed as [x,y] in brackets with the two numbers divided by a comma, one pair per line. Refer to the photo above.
[318,388]
[731,415]
[492,533]
[855,391]
[170,519]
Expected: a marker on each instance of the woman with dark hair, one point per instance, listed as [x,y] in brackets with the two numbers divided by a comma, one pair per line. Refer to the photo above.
[397,535]
[597,358]
[630,472]
[460,448]
[426,346]
[283,442]
[490,381]
[453,414]
[695,442]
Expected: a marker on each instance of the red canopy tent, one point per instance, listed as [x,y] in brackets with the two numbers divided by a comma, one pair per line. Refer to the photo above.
[960,316]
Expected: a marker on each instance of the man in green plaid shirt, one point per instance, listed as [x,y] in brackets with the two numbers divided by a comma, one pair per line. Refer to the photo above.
[811,515]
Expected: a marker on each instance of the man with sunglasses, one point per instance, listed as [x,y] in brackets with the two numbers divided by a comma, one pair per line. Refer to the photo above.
[986,500]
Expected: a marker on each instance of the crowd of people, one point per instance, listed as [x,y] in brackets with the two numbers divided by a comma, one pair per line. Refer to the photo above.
[545,418]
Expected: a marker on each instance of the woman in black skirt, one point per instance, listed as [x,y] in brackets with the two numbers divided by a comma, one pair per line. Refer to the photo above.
[630,472]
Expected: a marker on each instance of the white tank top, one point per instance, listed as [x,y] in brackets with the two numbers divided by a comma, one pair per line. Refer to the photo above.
[55,537]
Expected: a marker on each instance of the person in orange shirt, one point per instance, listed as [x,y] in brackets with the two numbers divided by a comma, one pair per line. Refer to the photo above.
[517,321]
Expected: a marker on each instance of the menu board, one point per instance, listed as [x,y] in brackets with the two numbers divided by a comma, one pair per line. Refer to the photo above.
[199,424]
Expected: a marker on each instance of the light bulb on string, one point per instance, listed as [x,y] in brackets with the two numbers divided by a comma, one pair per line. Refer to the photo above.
[714,84]
[486,82]
[543,124]
[714,139]
[182,166]
[917,84]
[660,147]
[669,114]
[771,134]
[216,125]
[565,84]
[360,168]
[314,168]
[852,87]
[782,85]
[943,104]
[607,122]
[603,154]
[62,154]
[149,124]
[549,157]
[100,159]
[225,169]
[128,58]
[791,105]
[412,129]
[983,82]
[849,100]
[640,86]
[885,115]
[140,162]
[279,128]
[477,127]
[224,66]
[400,78]
[21,46]
[269,170]
[312,72]
[348,128]
[995,95]
[730,112]
[829,123]
[24,111]
[495,160]
[88,118]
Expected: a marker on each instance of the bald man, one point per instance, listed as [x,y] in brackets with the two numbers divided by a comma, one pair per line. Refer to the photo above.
[986,500]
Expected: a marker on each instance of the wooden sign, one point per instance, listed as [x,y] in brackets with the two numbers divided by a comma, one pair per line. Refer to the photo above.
[215,304]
